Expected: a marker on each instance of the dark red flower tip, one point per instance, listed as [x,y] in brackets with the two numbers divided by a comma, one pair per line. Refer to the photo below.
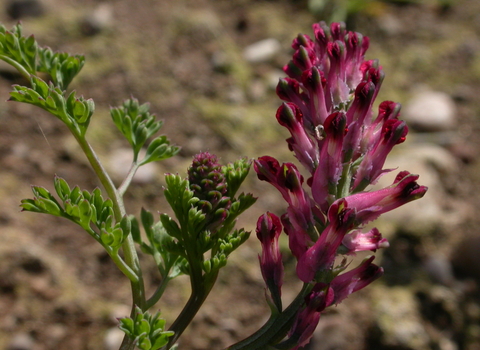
[338,30]
[302,40]
[268,227]
[335,125]
[395,130]
[336,50]
[388,110]
[304,58]
[314,80]
[287,87]
[322,33]
[264,166]
[288,115]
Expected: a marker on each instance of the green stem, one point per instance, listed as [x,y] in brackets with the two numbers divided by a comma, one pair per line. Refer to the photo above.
[201,286]
[158,293]
[122,266]
[128,179]
[277,326]
[199,293]
[17,66]
[128,247]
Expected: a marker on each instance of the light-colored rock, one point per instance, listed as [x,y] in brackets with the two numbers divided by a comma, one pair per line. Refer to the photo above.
[113,338]
[21,341]
[262,51]
[98,20]
[430,111]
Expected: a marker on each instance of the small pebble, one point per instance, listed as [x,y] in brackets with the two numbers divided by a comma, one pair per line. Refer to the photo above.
[113,338]
[430,111]
[262,51]
[21,341]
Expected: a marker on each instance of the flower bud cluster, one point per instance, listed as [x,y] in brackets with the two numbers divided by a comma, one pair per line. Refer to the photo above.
[336,136]
[209,185]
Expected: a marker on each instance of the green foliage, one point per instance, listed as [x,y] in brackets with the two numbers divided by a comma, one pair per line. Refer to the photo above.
[160,244]
[235,173]
[195,242]
[74,111]
[87,209]
[17,50]
[28,58]
[146,330]
[61,66]
[137,125]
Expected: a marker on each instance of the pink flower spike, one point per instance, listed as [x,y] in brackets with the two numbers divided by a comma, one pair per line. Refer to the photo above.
[268,231]
[349,282]
[358,241]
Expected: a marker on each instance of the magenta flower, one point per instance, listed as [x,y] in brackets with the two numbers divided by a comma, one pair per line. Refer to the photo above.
[342,144]
[357,241]
[321,256]
[307,319]
[268,231]
[354,280]
[370,205]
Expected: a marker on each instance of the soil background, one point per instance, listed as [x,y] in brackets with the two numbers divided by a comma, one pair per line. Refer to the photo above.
[58,288]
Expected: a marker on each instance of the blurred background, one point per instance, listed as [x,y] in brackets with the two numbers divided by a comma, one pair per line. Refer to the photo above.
[209,70]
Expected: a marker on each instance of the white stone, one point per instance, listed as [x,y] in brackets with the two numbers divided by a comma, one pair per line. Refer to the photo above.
[21,341]
[430,111]
[262,51]
[113,338]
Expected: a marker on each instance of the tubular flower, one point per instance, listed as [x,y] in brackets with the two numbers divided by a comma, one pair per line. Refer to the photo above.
[342,144]
[268,231]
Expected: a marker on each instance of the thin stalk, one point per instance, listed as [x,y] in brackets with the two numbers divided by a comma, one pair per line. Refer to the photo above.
[196,300]
[277,326]
[121,264]
[17,66]
[128,179]
[128,247]
[158,293]
[201,286]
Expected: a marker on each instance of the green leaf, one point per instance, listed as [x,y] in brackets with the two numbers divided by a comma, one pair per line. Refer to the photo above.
[29,205]
[61,66]
[136,123]
[159,149]
[18,51]
[146,330]
[235,173]
[171,226]
[135,229]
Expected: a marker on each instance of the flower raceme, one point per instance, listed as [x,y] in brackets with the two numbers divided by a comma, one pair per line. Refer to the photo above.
[328,110]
